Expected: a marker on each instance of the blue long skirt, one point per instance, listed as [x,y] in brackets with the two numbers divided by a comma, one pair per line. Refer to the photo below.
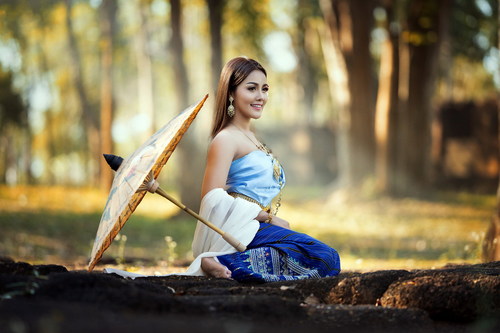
[277,254]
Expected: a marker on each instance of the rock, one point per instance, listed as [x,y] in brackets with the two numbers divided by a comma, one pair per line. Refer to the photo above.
[48,269]
[16,268]
[6,260]
[370,318]
[190,284]
[303,289]
[489,268]
[105,290]
[23,268]
[446,295]
[457,298]
[363,288]
[29,315]
[261,307]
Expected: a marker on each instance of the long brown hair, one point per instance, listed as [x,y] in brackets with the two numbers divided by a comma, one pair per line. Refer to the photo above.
[234,72]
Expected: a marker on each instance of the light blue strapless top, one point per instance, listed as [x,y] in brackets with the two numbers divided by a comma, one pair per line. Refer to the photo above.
[252,175]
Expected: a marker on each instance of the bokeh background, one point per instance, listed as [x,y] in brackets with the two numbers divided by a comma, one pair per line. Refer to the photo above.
[384,114]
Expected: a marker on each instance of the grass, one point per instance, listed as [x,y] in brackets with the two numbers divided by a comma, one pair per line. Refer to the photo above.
[57,225]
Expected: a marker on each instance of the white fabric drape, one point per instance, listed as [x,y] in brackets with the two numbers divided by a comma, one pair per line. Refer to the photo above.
[235,216]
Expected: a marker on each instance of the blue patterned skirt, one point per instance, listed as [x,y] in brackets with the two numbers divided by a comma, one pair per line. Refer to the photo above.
[277,254]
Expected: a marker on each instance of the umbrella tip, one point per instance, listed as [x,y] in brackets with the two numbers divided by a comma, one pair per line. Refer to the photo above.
[113,161]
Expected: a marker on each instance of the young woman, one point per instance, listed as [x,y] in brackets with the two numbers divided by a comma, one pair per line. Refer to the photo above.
[241,180]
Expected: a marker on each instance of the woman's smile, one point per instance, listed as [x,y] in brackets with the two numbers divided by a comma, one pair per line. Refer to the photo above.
[257,106]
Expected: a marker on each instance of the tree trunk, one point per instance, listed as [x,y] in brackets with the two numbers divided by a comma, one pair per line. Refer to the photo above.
[491,242]
[353,41]
[177,49]
[108,18]
[190,158]
[89,119]
[306,69]
[420,55]
[387,103]
[145,69]
[337,80]
[361,87]
[306,86]
[215,12]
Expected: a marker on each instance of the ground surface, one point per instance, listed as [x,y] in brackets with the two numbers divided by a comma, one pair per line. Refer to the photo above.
[49,298]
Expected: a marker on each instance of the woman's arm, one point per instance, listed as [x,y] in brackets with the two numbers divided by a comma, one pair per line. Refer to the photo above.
[221,152]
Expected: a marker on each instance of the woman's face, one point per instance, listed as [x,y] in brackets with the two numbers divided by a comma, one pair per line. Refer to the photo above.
[251,95]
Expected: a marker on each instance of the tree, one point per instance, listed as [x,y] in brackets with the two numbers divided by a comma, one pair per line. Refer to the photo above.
[191,175]
[107,23]
[13,116]
[21,153]
[215,12]
[90,121]
[352,42]
[145,66]
[387,102]
[307,71]
[491,242]
[419,47]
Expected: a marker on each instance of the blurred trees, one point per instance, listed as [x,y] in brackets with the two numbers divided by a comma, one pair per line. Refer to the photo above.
[350,24]
[89,116]
[107,23]
[13,124]
[145,82]
[422,31]
[216,21]
[99,76]
[491,242]
[190,178]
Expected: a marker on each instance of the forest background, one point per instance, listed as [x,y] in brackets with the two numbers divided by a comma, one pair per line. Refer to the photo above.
[384,114]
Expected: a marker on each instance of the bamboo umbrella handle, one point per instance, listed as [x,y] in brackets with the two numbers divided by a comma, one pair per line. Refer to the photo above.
[150,184]
[226,236]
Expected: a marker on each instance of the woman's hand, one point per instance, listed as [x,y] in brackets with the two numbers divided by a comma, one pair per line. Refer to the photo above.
[280,222]
[263,216]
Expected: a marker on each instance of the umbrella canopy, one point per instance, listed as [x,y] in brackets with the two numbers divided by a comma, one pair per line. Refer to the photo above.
[125,195]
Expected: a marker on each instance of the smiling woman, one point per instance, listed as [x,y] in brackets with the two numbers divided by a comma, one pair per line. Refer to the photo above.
[250,96]
[242,178]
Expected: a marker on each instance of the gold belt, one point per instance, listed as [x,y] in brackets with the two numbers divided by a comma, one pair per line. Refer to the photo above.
[242,196]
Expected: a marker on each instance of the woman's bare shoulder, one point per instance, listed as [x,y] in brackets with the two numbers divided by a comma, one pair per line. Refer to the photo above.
[224,138]
[224,141]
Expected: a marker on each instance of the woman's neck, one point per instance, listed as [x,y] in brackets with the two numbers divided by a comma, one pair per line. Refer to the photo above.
[242,124]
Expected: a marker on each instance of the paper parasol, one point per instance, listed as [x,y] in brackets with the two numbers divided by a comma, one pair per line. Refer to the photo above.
[136,175]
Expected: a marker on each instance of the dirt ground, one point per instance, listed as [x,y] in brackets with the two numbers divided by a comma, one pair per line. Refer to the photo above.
[50,298]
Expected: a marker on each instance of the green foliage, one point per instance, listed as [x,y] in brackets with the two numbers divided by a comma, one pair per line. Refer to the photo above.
[248,21]
[473,30]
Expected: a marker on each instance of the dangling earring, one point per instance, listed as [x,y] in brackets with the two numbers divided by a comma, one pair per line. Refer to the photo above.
[230,108]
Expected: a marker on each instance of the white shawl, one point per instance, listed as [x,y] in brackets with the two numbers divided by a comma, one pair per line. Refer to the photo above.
[235,216]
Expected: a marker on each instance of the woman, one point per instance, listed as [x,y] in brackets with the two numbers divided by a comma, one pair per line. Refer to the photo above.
[241,179]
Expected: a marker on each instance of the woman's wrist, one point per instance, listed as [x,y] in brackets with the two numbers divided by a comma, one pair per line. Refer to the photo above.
[269,218]
[262,216]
